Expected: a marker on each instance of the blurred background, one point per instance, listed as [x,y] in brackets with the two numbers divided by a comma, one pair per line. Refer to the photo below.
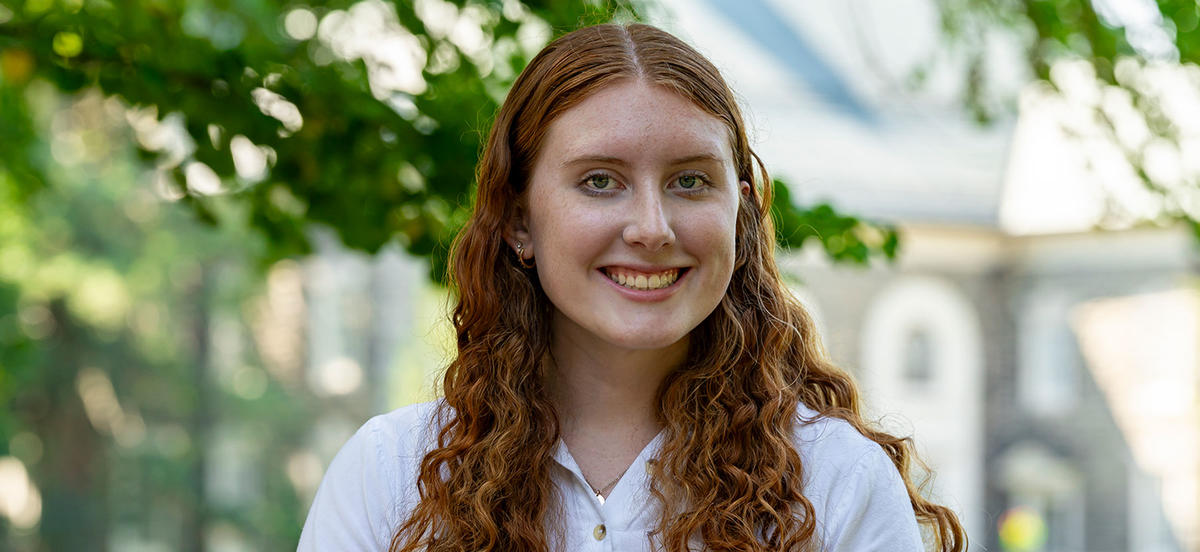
[223,230]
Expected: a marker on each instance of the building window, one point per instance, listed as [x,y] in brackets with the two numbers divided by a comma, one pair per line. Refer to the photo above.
[918,357]
[1049,373]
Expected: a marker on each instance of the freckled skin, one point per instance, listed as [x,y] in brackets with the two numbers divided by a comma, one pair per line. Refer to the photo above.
[635,207]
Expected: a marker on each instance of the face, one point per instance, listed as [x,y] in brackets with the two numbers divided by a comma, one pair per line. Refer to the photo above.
[630,214]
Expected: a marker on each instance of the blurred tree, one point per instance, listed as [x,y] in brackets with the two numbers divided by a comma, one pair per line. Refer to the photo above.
[110,391]
[1137,60]
[106,296]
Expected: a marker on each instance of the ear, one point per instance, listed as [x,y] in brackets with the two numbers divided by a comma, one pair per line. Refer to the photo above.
[745,188]
[517,231]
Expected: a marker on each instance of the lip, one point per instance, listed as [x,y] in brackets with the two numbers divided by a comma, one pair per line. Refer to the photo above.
[648,269]
[647,295]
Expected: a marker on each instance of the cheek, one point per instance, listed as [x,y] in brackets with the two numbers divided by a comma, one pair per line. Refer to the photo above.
[562,231]
[710,238]
[718,229]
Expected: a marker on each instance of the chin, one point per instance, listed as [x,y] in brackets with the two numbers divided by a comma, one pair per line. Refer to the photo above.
[648,340]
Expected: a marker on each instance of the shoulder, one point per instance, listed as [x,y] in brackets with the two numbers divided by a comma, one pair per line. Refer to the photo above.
[357,505]
[827,441]
[831,450]
[406,431]
[858,496]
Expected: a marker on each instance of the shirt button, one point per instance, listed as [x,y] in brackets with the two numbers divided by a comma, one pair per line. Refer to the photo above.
[599,532]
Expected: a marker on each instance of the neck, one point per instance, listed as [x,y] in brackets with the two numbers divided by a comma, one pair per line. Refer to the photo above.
[598,386]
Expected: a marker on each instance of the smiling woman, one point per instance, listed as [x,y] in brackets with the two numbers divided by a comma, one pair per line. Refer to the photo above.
[631,371]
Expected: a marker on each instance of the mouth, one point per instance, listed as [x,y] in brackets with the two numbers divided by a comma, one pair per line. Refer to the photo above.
[643,281]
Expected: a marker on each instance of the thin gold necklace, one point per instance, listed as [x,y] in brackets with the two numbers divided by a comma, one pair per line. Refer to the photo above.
[600,492]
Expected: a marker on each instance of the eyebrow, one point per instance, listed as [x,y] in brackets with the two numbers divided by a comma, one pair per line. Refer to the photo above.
[618,161]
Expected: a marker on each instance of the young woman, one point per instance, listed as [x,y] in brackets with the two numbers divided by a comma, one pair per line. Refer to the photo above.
[632,373]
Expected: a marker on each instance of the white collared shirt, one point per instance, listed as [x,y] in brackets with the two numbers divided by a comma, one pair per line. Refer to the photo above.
[858,498]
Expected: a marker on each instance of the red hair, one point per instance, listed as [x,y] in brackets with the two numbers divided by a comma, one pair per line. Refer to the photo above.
[728,470]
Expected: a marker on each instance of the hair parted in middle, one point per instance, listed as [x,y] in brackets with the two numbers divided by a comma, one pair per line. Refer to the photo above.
[728,472]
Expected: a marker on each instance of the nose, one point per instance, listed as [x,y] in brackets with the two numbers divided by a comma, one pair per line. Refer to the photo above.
[649,223]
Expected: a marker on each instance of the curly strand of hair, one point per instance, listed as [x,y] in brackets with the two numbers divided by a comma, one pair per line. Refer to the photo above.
[472,496]
[832,392]
[734,472]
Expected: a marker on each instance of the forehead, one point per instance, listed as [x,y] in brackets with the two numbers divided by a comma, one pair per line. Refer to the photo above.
[636,122]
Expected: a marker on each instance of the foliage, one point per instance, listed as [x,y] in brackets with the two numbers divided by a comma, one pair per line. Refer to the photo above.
[844,238]
[1142,56]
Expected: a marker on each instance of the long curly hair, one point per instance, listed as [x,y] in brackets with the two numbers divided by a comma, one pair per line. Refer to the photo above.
[728,471]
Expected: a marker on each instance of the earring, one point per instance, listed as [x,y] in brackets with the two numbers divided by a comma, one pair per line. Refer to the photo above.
[521,256]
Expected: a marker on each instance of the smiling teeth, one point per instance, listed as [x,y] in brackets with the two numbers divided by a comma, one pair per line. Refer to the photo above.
[640,280]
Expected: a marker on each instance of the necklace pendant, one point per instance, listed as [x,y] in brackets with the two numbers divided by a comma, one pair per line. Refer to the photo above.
[600,497]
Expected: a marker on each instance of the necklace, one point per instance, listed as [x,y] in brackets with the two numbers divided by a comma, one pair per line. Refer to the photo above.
[600,491]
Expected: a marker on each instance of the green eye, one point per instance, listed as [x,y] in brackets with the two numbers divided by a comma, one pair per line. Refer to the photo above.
[599,181]
[689,181]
